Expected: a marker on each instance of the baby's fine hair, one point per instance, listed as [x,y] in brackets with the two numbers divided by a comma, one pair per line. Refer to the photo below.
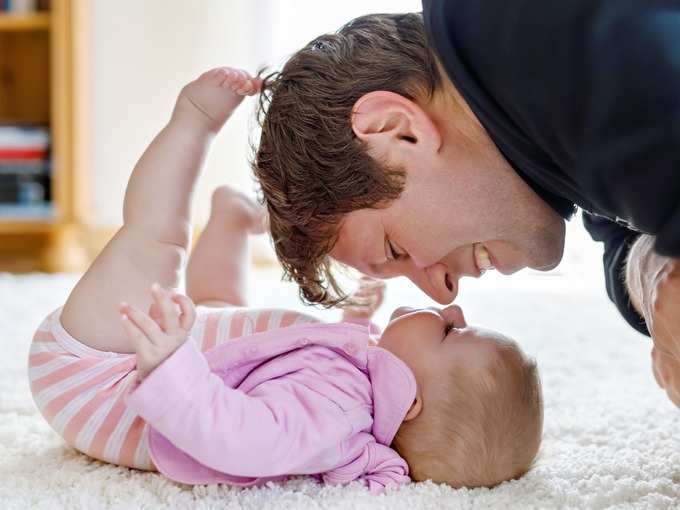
[483,429]
[311,168]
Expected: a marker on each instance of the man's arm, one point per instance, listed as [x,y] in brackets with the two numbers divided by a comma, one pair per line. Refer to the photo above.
[617,241]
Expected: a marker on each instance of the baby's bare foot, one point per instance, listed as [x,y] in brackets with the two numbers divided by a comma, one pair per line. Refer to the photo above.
[213,96]
[234,206]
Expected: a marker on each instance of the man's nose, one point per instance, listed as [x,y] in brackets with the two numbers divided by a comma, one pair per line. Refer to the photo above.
[435,281]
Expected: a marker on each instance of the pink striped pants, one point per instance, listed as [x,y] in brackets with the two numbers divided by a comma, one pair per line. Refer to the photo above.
[80,391]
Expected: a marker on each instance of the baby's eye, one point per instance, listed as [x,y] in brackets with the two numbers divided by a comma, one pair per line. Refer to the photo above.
[448,328]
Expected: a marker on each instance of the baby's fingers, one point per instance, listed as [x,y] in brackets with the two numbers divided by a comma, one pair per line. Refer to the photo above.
[188,315]
[169,315]
[142,322]
[133,332]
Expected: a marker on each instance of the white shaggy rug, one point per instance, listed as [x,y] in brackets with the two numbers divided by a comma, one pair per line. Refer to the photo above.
[611,437]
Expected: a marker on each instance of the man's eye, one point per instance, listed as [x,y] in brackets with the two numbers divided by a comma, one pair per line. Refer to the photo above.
[393,254]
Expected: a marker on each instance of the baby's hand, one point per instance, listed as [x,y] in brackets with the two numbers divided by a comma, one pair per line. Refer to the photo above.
[213,96]
[156,339]
[370,295]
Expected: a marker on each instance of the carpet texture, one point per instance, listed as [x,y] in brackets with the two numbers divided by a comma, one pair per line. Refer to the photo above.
[611,438]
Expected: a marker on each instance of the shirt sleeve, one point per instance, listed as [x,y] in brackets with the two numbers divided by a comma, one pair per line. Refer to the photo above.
[377,466]
[617,241]
[373,328]
[385,468]
[274,433]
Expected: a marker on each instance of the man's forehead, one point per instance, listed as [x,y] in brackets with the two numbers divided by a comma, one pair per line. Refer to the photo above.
[359,235]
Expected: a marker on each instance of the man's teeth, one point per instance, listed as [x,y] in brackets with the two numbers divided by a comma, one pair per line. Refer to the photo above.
[482,258]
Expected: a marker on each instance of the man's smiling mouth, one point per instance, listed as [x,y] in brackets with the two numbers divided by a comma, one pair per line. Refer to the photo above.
[482,258]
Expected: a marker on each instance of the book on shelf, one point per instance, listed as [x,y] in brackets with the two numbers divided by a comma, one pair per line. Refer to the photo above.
[24,6]
[25,169]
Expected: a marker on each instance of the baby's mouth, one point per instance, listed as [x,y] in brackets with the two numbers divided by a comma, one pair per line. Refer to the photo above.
[482,258]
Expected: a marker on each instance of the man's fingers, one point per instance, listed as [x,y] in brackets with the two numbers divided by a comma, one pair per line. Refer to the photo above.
[188,316]
[142,322]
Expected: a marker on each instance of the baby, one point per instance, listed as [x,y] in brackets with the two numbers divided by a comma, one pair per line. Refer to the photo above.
[220,393]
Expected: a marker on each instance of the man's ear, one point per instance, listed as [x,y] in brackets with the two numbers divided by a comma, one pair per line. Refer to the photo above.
[387,122]
[415,409]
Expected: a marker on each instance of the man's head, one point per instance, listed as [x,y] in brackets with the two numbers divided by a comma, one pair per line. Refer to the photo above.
[370,157]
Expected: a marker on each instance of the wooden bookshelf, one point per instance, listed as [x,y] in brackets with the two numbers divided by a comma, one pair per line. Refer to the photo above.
[42,72]
[24,22]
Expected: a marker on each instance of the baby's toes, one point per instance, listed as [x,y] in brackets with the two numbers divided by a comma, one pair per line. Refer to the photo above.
[233,81]
[212,77]
[250,87]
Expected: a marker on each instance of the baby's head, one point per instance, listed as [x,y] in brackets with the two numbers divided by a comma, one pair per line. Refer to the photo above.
[478,415]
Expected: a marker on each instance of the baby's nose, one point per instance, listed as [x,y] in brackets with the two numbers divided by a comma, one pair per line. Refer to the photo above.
[402,310]
[454,314]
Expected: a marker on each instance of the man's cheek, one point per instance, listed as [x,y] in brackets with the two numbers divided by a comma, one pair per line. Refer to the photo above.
[655,369]
[659,367]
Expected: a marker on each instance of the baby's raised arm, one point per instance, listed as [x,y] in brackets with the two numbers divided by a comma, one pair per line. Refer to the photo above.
[153,243]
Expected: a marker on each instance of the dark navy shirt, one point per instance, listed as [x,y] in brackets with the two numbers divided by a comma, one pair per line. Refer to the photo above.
[582,97]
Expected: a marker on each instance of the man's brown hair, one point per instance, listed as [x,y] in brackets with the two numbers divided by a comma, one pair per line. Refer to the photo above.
[311,167]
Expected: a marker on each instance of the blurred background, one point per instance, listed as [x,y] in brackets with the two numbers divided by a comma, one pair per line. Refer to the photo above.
[86,84]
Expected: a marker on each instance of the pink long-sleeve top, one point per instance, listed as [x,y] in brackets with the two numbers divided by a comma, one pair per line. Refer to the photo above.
[318,399]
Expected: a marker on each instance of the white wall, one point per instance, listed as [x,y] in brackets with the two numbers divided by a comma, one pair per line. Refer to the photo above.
[143,51]
[141,54]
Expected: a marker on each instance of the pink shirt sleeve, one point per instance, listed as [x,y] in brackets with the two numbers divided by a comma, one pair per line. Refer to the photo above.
[377,465]
[373,328]
[274,433]
[385,468]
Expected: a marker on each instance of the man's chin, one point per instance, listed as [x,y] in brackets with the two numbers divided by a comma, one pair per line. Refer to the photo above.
[551,257]
[547,266]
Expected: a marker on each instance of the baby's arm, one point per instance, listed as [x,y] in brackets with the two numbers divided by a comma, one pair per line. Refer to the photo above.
[282,430]
[154,240]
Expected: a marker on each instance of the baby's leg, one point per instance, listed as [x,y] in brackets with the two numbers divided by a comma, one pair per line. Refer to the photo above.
[153,242]
[218,267]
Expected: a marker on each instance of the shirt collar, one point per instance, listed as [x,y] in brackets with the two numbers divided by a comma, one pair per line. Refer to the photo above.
[394,389]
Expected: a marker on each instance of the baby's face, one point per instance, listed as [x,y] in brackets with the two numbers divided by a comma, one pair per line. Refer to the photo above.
[428,340]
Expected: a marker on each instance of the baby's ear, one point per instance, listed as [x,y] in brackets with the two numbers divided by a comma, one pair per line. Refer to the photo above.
[415,409]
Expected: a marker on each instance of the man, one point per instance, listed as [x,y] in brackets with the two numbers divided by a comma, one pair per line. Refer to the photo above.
[441,146]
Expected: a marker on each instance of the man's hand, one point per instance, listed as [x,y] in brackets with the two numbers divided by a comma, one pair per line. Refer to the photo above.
[654,285]
[157,338]
[368,296]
